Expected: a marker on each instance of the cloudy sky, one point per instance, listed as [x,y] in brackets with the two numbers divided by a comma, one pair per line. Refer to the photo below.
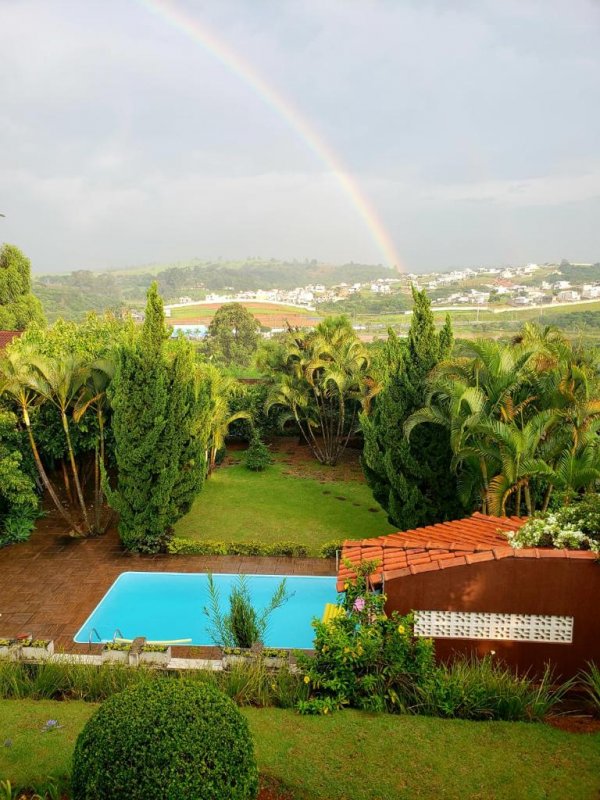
[137,131]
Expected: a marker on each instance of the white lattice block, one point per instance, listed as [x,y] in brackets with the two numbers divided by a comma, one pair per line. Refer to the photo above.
[484,625]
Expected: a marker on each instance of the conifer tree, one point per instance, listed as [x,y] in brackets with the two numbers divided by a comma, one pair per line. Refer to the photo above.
[186,413]
[18,306]
[159,470]
[412,479]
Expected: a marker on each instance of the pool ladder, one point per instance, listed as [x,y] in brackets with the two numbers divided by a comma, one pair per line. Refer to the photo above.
[95,631]
[92,632]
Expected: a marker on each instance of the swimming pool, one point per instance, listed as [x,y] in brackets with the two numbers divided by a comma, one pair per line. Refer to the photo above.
[169,605]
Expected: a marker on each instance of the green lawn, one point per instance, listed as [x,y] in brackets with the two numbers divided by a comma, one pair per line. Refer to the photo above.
[352,755]
[239,505]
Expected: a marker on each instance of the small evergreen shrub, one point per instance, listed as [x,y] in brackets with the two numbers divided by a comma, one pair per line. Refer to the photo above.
[257,457]
[169,739]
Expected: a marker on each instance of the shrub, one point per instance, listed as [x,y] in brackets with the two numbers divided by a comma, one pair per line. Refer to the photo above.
[180,546]
[17,526]
[169,739]
[363,658]
[574,527]
[485,689]
[329,549]
[257,457]
[590,680]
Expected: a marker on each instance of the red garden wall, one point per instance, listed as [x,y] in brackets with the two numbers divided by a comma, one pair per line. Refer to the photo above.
[555,586]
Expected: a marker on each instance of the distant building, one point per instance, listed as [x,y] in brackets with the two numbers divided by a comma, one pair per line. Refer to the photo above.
[559,286]
[568,296]
[185,300]
[590,292]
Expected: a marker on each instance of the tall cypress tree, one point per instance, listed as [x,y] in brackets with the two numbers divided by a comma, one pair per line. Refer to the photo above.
[184,429]
[411,480]
[153,418]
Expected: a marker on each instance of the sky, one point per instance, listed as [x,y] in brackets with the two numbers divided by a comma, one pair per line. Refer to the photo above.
[421,134]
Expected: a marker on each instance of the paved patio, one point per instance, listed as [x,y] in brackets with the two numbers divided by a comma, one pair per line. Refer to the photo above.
[50,584]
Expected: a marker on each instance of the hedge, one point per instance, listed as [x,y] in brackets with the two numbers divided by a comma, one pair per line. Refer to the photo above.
[189,547]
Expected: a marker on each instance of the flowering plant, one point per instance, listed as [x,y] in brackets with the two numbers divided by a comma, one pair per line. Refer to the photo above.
[364,658]
[574,527]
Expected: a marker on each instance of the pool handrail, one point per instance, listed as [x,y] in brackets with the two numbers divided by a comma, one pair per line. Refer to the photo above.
[92,632]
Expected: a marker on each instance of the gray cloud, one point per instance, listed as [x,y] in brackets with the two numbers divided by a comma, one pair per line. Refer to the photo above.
[472,127]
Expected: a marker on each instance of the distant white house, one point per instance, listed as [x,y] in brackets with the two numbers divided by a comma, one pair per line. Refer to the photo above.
[589,291]
[185,300]
[560,286]
[568,295]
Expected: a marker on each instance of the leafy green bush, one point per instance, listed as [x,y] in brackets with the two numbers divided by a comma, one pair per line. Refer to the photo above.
[169,739]
[363,658]
[574,527]
[329,549]
[485,689]
[17,526]
[590,680]
[208,547]
[257,457]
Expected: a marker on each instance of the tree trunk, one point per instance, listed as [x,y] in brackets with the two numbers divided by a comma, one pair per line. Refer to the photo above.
[75,472]
[46,481]
[66,481]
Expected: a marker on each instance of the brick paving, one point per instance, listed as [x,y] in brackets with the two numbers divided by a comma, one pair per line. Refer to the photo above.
[51,584]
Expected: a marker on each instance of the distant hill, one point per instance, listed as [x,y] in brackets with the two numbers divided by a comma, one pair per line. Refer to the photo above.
[71,295]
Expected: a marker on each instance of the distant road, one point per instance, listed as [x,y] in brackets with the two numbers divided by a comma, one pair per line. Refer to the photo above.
[246,302]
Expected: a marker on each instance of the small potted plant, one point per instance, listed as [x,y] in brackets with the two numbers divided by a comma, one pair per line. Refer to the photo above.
[116,652]
[271,657]
[6,647]
[157,654]
[37,649]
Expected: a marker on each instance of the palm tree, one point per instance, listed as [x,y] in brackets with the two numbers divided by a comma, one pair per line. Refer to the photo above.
[59,380]
[93,396]
[217,414]
[17,380]
[324,384]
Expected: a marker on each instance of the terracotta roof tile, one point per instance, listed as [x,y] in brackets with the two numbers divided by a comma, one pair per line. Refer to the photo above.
[461,542]
[6,337]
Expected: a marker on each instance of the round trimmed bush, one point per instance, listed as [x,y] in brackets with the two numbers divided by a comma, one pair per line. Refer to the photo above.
[168,740]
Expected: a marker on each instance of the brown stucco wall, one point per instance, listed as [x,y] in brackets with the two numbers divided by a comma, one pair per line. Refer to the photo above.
[558,586]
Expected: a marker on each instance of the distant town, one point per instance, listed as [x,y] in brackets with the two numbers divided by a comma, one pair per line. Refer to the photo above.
[532,285]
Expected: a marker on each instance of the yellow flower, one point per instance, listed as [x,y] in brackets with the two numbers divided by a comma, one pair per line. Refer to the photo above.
[400,628]
[346,586]
[359,650]
[346,649]
[325,648]
[326,710]
[306,679]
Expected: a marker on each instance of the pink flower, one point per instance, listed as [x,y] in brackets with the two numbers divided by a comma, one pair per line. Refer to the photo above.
[359,604]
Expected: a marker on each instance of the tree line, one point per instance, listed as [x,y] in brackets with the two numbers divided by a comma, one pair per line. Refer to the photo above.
[106,417]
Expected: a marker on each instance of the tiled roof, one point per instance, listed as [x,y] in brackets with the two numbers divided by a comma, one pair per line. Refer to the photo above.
[447,544]
[6,337]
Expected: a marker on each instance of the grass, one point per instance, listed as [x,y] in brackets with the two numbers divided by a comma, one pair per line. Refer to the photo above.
[352,754]
[239,505]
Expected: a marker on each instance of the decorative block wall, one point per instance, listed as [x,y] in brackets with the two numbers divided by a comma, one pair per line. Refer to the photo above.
[483,625]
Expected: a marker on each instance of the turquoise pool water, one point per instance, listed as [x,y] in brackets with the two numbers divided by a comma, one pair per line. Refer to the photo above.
[169,605]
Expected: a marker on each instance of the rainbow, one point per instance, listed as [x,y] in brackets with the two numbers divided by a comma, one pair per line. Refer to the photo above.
[189,26]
